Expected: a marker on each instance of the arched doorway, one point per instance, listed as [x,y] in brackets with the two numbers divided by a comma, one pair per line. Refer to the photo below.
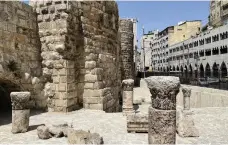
[190,70]
[182,70]
[185,71]
[178,68]
[196,71]
[173,68]
[208,70]
[215,70]
[8,84]
[201,71]
[223,70]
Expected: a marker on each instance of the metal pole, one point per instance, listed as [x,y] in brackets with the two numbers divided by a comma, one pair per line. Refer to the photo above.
[144,56]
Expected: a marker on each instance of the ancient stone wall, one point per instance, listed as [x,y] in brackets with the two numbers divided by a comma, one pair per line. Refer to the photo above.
[58,30]
[100,27]
[127,48]
[80,54]
[20,50]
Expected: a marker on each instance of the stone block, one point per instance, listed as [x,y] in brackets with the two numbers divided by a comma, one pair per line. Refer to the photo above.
[162,126]
[137,123]
[93,100]
[43,132]
[83,137]
[62,87]
[92,93]
[88,85]
[92,78]
[185,124]
[20,121]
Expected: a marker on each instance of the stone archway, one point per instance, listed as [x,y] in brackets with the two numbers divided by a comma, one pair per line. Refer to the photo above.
[8,84]
[208,70]
[223,70]
[201,70]
[182,70]
[215,70]
[173,68]
[185,71]
[190,70]
[178,68]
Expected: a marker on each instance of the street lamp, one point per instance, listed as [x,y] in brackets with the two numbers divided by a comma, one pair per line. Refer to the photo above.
[151,55]
[143,56]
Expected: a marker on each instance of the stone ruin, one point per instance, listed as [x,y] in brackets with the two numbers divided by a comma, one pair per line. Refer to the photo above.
[67,54]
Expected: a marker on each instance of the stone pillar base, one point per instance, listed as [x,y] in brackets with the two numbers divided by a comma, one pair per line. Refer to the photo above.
[128,111]
[162,126]
[20,120]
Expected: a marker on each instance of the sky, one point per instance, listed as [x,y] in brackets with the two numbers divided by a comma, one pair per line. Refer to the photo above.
[160,14]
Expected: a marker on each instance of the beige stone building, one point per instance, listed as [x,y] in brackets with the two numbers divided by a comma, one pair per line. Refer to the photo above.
[146,43]
[169,36]
[218,13]
[185,30]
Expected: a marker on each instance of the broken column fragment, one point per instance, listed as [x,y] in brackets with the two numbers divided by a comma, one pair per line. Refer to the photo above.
[20,111]
[186,94]
[83,137]
[128,96]
[162,113]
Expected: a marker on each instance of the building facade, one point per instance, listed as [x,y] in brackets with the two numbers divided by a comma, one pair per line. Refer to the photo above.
[146,44]
[169,36]
[205,53]
[218,13]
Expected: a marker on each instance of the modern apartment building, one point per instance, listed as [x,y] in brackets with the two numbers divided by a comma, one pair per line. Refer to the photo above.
[146,44]
[169,36]
[205,53]
[218,13]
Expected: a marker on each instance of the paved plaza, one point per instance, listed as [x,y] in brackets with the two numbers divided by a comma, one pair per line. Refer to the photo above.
[211,122]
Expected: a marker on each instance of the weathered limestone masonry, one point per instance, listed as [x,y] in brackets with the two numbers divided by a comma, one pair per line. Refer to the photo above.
[127,48]
[20,60]
[162,113]
[100,22]
[128,96]
[80,54]
[20,111]
[59,29]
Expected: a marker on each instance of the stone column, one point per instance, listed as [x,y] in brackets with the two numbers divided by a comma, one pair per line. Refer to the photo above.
[186,94]
[20,111]
[128,96]
[127,48]
[162,113]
